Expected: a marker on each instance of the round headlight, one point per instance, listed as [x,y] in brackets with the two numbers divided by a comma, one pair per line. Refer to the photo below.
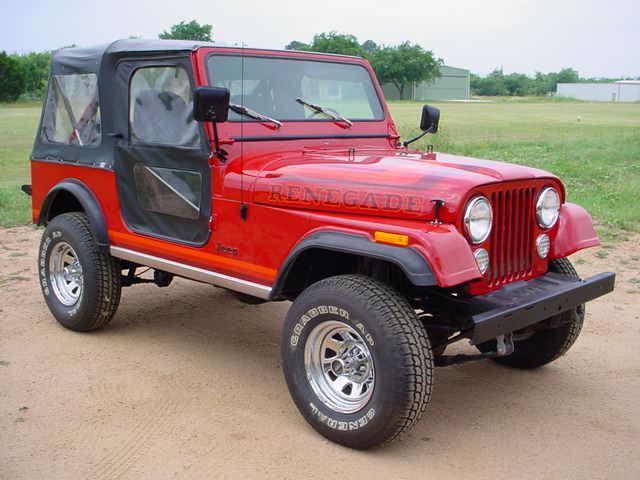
[478,218]
[548,207]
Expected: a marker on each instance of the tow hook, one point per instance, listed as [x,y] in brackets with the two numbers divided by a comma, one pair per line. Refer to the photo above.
[504,347]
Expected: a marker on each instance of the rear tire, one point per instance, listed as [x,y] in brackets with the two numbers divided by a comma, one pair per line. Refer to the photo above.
[547,345]
[357,360]
[80,283]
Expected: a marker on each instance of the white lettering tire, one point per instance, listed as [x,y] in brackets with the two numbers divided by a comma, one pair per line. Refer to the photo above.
[357,360]
[80,284]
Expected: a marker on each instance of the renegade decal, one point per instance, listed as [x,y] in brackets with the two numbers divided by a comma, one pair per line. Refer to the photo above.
[331,197]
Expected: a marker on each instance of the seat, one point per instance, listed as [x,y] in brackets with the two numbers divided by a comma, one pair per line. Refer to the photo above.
[162,117]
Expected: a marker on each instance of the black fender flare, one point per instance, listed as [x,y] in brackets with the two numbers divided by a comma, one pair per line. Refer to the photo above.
[89,203]
[412,263]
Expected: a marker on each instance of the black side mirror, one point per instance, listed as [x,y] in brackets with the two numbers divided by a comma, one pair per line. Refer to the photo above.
[211,104]
[430,119]
[428,123]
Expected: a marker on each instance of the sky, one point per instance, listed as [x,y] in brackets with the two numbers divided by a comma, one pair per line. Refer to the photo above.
[598,38]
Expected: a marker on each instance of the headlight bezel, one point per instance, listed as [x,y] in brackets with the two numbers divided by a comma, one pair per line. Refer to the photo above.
[540,205]
[466,220]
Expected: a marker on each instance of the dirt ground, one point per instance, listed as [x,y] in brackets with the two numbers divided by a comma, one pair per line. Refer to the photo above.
[186,383]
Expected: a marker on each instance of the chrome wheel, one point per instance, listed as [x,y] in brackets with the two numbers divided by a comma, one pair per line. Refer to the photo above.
[65,274]
[339,366]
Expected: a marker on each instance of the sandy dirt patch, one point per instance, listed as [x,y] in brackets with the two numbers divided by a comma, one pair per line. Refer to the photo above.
[186,383]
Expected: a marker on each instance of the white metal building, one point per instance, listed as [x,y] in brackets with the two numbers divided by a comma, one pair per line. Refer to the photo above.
[620,91]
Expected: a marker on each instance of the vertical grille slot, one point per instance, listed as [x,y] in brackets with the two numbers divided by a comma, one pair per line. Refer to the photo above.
[511,243]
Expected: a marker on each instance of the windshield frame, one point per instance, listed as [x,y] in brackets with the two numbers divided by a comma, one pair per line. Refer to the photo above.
[335,60]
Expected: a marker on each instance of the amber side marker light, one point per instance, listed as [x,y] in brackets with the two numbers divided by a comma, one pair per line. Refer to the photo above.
[392,238]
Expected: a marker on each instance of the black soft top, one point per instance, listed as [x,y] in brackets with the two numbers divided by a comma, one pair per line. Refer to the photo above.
[102,61]
[112,88]
[89,59]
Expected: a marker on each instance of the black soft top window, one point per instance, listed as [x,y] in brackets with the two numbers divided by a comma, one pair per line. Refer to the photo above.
[272,85]
[161,107]
[72,110]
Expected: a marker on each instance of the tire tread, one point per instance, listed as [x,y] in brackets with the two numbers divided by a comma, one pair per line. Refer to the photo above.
[402,324]
[108,281]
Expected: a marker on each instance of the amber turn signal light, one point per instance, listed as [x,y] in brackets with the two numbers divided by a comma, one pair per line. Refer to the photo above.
[392,238]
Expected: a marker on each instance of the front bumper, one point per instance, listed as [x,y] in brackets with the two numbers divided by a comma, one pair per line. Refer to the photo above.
[521,304]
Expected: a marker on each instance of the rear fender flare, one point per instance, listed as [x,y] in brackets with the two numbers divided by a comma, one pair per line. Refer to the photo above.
[89,204]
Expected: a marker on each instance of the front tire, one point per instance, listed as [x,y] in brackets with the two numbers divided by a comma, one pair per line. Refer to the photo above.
[545,346]
[80,284]
[357,361]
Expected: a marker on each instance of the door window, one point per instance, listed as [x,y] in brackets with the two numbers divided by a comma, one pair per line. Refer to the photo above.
[168,191]
[161,107]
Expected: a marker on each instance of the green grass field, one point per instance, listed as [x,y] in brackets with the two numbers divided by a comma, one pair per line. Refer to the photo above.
[18,124]
[593,147]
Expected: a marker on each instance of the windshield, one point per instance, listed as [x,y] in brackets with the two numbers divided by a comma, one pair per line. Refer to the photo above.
[273,85]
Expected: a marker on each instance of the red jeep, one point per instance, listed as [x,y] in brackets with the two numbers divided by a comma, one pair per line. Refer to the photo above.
[280,175]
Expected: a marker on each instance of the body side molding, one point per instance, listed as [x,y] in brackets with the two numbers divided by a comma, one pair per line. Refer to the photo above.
[193,273]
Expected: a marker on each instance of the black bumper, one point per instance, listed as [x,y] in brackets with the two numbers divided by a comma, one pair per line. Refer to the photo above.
[520,304]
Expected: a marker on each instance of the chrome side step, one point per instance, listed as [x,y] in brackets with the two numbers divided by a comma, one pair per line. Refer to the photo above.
[193,273]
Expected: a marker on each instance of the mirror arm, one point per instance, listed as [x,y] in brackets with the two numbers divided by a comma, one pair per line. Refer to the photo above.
[411,140]
[219,152]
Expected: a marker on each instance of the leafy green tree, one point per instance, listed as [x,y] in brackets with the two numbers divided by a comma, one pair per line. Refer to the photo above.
[491,85]
[36,66]
[475,81]
[517,84]
[542,84]
[296,45]
[405,64]
[12,78]
[369,48]
[188,31]
[567,75]
[333,42]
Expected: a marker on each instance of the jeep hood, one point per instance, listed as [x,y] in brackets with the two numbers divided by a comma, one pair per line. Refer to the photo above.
[390,184]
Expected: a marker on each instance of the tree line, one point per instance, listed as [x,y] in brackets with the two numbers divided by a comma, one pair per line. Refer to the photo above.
[400,64]
[25,76]
[497,83]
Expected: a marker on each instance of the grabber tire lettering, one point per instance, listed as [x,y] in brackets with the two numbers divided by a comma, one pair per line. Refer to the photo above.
[357,361]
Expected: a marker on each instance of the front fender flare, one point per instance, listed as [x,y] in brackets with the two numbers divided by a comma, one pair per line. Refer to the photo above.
[89,203]
[412,263]
[575,231]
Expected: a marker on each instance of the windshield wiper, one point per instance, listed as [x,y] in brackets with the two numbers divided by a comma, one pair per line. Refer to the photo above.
[242,110]
[329,112]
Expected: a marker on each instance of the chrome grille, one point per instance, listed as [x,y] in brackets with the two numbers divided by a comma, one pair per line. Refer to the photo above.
[511,246]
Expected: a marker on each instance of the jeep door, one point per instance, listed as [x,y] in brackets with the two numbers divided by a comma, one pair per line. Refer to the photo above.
[162,169]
